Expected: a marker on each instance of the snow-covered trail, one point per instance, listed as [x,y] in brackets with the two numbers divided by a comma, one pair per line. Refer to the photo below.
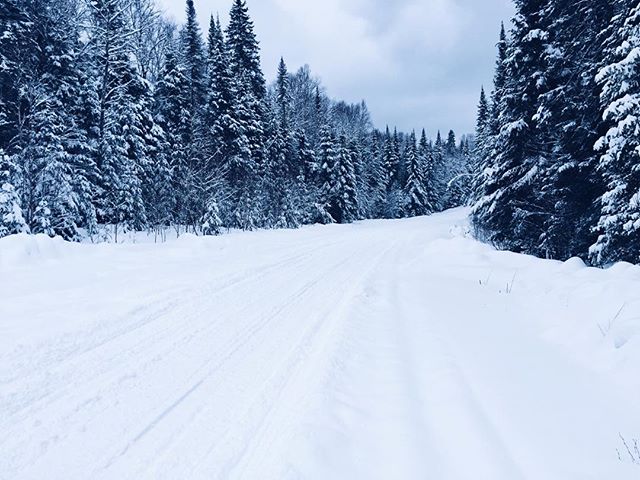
[382,350]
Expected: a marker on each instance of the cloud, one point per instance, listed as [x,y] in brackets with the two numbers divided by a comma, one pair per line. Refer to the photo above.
[337,39]
[416,62]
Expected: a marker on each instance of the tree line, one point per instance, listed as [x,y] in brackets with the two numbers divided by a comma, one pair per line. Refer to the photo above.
[111,115]
[558,140]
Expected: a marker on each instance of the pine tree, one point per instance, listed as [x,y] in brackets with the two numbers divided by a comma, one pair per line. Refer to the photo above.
[249,86]
[194,62]
[512,211]
[193,59]
[394,201]
[483,135]
[619,225]
[451,147]
[283,95]
[390,161]
[415,188]
[499,83]
[278,180]
[570,118]
[426,155]
[439,172]
[11,220]
[120,198]
[50,149]
[327,160]
[460,185]
[485,170]
[376,177]
[211,221]
[226,143]
[15,61]
[307,182]
[172,109]
[344,208]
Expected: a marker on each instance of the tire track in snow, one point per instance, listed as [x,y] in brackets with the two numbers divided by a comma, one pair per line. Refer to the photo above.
[149,314]
[96,377]
[242,338]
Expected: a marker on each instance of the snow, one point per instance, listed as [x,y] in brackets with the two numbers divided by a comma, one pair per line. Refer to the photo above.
[383,349]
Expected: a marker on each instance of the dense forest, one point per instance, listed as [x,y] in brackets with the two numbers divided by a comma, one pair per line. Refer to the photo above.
[114,119]
[558,142]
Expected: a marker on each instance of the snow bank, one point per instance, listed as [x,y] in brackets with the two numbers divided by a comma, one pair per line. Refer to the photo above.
[22,249]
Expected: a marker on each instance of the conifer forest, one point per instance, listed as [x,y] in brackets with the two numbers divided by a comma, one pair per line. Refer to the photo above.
[113,116]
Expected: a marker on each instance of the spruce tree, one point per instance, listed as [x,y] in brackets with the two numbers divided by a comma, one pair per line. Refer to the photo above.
[619,224]
[570,118]
[344,208]
[50,150]
[172,107]
[417,203]
[439,172]
[376,177]
[11,219]
[483,134]
[327,161]
[426,155]
[499,83]
[249,85]
[193,59]
[512,210]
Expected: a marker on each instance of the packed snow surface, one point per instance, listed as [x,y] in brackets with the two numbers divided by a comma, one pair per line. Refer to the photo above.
[380,350]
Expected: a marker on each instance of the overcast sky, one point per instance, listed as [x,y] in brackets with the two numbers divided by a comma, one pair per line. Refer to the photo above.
[417,63]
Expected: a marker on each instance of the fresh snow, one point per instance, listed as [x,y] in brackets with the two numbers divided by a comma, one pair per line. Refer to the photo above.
[379,350]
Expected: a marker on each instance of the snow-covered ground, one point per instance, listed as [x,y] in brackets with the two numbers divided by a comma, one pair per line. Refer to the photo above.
[380,350]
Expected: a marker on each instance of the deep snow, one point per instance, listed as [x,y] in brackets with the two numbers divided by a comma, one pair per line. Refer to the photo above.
[384,349]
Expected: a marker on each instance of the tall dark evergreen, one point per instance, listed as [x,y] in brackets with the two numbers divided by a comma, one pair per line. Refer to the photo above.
[327,167]
[172,107]
[570,119]
[483,132]
[559,178]
[426,154]
[11,219]
[344,205]
[415,189]
[193,58]
[512,212]
[499,82]
[619,223]
[248,80]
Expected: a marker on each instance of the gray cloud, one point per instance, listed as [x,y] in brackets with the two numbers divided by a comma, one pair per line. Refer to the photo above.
[417,63]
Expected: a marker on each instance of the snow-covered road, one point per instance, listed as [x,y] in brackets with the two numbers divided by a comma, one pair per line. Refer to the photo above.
[381,350]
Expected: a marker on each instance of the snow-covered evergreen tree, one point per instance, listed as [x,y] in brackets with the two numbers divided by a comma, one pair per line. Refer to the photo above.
[11,219]
[417,200]
[511,212]
[619,225]
[483,136]
[172,109]
[344,206]
[249,85]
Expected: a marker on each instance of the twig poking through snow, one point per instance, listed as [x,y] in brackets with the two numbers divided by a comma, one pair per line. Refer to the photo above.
[605,331]
[513,281]
[633,452]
